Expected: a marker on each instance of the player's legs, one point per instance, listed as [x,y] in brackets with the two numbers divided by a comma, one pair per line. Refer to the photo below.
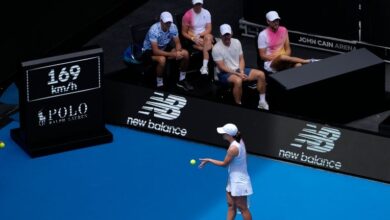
[241,202]
[237,87]
[184,61]
[298,65]
[259,76]
[205,46]
[283,62]
[232,209]
[161,61]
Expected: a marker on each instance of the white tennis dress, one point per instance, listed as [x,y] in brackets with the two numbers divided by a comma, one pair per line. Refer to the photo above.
[239,182]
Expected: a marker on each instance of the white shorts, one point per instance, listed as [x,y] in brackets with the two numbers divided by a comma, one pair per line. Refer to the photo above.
[267,66]
[239,189]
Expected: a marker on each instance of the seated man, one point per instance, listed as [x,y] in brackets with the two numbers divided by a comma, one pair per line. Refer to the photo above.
[228,56]
[159,47]
[274,46]
[196,28]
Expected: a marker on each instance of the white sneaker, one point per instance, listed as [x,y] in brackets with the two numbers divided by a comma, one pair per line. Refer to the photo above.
[204,70]
[263,105]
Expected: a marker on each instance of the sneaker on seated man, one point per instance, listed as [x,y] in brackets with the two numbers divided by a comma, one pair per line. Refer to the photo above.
[204,70]
[229,58]
[184,84]
[263,105]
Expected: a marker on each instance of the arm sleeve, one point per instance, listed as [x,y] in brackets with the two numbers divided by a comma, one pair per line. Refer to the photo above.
[261,41]
[217,55]
[153,35]
[239,47]
[208,17]
[174,31]
[187,18]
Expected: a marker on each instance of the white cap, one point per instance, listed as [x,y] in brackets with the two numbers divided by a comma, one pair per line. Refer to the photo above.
[225,29]
[272,15]
[166,17]
[194,2]
[229,129]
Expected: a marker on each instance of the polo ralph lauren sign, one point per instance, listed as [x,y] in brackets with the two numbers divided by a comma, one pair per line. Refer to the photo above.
[60,105]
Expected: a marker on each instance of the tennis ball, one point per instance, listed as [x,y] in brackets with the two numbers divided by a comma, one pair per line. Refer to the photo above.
[192,162]
[2,144]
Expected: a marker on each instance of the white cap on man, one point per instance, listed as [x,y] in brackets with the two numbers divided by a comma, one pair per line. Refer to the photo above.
[272,16]
[225,29]
[166,17]
[194,2]
[230,129]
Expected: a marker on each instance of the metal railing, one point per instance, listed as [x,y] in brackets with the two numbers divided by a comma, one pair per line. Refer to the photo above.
[317,42]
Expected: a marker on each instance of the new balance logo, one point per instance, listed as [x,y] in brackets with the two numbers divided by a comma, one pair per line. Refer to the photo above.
[317,140]
[164,108]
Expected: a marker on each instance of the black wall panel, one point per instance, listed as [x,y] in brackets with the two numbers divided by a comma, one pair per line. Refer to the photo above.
[333,18]
[38,28]
[376,22]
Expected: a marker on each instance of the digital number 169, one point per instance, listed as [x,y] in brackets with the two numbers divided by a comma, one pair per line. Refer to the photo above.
[64,75]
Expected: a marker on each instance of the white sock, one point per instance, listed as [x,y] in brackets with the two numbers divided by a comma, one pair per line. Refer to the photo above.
[262,97]
[182,76]
[160,81]
[205,62]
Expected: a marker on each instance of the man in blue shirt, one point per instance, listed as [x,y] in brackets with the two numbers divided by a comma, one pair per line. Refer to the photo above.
[161,43]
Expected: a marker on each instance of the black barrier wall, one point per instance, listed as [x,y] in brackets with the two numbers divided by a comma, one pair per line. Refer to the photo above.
[332,18]
[37,28]
[283,138]
[376,22]
[331,90]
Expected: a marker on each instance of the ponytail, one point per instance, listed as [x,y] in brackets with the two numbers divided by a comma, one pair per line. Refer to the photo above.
[238,137]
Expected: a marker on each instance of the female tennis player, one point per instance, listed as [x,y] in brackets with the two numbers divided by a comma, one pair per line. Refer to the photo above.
[239,185]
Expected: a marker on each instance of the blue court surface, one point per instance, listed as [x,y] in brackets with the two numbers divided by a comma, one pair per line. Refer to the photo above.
[147,176]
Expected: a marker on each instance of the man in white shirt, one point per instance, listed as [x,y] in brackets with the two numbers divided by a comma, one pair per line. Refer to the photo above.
[196,28]
[229,58]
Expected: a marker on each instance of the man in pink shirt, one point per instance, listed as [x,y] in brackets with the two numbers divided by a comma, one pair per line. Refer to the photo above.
[274,46]
[196,28]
